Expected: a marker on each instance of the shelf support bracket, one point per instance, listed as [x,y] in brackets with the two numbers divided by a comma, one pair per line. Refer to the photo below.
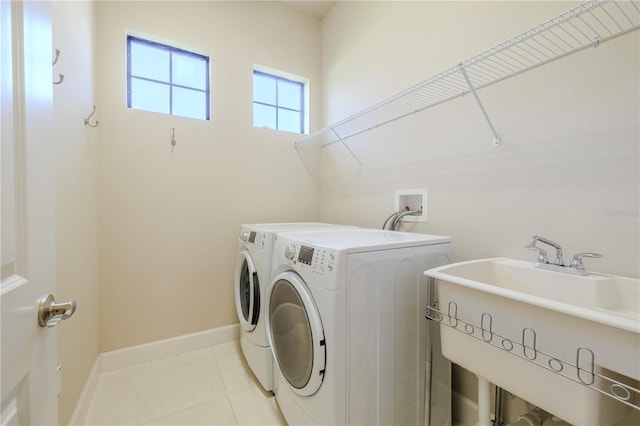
[496,138]
[307,164]
[346,146]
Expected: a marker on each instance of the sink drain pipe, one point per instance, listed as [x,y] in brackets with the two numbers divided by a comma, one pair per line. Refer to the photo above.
[497,412]
[484,402]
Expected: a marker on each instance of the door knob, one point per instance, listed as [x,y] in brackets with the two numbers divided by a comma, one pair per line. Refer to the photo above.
[51,313]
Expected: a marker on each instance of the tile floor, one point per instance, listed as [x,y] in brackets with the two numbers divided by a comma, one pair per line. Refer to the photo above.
[213,386]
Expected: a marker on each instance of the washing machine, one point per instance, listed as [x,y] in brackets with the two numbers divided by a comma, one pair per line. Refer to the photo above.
[251,280]
[346,325]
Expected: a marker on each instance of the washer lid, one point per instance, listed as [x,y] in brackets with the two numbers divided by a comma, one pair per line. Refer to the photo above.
[296,334]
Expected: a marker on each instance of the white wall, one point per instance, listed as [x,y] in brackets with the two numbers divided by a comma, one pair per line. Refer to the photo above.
[76,161]
[170,217]
[568,167]
[167,220]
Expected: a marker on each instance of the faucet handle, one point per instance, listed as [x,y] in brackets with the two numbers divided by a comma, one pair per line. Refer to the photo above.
[576,262]
[542,255]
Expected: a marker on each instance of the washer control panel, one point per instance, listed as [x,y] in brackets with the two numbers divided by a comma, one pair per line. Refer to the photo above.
[319,260]
[317,264]
[306,255]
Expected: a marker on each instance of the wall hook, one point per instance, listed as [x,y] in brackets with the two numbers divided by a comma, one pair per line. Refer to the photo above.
[86,120]
[55,60]
[173,137]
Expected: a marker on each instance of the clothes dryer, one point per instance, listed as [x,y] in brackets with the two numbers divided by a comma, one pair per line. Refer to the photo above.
[251,280]
[346,324]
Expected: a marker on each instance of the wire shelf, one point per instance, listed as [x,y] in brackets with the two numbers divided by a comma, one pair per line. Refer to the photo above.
[586,25]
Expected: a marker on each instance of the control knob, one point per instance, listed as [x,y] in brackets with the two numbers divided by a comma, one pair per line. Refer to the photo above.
[290,251]
[244,236]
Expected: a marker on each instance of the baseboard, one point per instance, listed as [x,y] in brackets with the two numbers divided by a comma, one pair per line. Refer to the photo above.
[121,358]
[160,349]
[465,411]
[82,406]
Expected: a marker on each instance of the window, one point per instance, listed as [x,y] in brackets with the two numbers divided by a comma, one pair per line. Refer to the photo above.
[165,79]
[278,102]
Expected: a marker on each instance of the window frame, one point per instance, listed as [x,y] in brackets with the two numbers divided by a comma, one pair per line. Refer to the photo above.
[171,49]
[302,83]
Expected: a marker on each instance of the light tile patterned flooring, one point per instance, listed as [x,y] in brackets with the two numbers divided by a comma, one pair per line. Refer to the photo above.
[213,386]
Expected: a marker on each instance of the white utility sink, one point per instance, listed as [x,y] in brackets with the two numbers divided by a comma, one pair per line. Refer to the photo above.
[567,343]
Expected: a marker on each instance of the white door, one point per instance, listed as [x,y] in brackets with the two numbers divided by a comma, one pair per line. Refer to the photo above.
[28,351]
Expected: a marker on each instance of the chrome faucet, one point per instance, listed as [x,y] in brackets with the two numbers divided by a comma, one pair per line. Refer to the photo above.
[542,262]
[576,262]
[542,257]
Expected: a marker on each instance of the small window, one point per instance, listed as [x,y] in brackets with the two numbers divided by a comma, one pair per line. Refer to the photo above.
[166,79]
[278,102]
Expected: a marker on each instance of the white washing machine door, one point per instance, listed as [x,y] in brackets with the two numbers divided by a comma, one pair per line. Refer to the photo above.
[247,289]
[296,334]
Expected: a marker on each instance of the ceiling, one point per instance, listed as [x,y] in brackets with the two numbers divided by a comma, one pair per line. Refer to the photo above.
[316,9]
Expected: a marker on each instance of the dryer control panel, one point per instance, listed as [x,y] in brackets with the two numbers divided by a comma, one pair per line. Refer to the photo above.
[254,238]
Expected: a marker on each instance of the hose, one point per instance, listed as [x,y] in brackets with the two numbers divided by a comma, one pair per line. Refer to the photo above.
[384,226]
[400,215]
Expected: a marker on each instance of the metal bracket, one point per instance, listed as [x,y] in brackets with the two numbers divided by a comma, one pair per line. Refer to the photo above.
[496,138]
[346,146]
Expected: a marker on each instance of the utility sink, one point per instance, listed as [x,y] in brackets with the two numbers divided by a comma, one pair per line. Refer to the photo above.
[567,343]
[608,299]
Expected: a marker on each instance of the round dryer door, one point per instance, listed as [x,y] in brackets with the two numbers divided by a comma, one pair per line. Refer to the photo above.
[296,334]
[247,289]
